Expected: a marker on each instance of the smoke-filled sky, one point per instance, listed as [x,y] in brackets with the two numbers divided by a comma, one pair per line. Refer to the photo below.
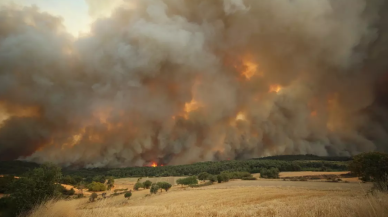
[119,83]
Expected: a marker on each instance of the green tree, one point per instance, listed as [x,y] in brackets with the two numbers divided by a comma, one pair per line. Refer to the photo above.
[371,166]
[191,180]
[272,173]
[154,188]
[128,194]
[137,186]
[220,178]
[96,186]
[203,176]
[93,197]
[147,184]
[110,183]
[164,185]
[212,178]
[36,187]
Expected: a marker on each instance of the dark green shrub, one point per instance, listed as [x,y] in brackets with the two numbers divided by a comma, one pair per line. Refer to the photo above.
[110,183]
[371,166]
[203,176]
[219,178]
[122,189]
[96,186]
[212,178]
[137,186]
[201,185]
[128,194]
[164,185]
[248,178]
[191,180]
[154,188]
[147,184]
[36,187]
[93,197]
[272,173]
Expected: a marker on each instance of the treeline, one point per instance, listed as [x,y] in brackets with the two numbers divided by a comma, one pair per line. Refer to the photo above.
[305,157]
[251,166]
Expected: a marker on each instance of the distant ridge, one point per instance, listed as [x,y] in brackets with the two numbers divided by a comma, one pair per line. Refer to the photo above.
[305,157]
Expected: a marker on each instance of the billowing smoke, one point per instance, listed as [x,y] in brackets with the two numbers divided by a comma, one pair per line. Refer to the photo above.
[181,81]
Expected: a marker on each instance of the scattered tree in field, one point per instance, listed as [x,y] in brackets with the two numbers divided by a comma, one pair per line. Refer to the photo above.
[138,185]
[96,186]
[110,183]
[128,194]
[164,185]
[272,173]
[154,188]
[203,176]
[93,197]
[191,180]
[147,184]
[372,166]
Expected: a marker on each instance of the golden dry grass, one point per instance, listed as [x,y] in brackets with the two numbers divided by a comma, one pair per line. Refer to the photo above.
[236,198]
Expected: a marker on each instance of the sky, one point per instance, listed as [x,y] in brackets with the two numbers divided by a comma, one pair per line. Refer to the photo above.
[75,14]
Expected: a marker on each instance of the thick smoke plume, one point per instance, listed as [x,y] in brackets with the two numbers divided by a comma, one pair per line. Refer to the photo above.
[181,81]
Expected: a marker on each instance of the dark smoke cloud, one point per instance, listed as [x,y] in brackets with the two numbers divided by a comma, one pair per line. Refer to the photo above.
[177,82]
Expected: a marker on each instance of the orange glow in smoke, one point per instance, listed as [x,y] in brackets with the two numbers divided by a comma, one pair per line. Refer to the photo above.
[191,106]
[240,116]
[250,68]
[154,164]
[275,88]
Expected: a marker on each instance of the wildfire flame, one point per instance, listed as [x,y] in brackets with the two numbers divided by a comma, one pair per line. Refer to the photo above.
[191,106]
[275,88]
[250,69]
[154,164]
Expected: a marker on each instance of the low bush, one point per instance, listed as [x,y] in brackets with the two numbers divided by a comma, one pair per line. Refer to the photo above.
[248,178]
[147,184]
[96,186]
[201,185]
[137,186]
[191,180]
[154,188]
[203,176]
[128,194]
[93,197]
[122,189]
[212,178]
[272,173]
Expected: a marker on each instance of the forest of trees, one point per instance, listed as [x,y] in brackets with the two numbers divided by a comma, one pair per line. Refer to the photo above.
[289,163]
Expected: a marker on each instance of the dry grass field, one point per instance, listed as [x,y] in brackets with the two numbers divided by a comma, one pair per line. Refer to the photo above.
[234,198]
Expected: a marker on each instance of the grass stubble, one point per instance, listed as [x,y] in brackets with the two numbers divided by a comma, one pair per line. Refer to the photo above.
[231,199]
